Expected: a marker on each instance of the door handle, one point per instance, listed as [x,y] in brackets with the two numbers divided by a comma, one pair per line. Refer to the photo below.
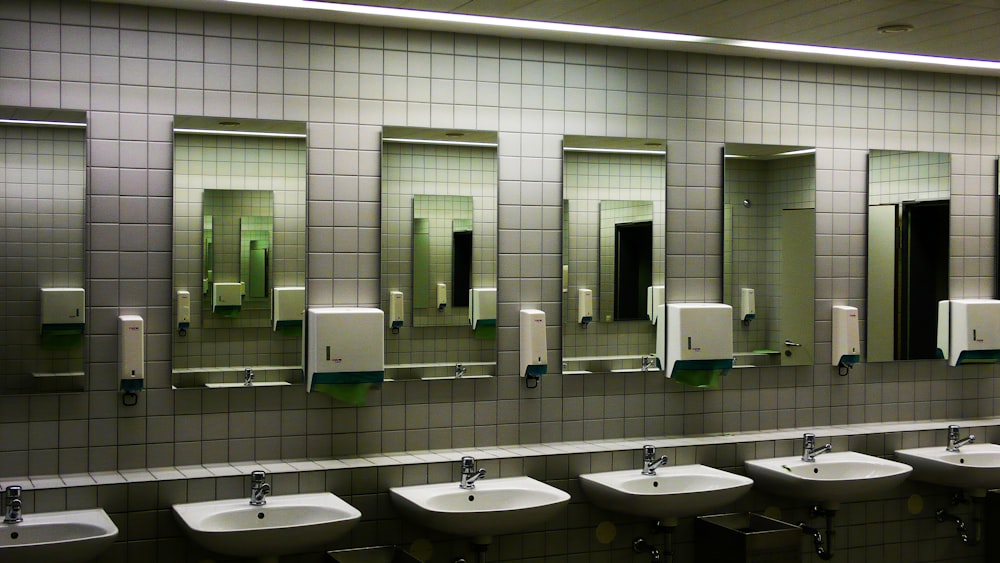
[790,343]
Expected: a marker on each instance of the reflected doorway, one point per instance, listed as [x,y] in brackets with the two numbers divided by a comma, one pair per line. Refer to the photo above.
[924,265]
[633,269]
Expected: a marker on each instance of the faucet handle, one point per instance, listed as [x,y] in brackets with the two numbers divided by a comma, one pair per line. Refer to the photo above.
[648,452]
[468,463]
[809,438]
[257,477]
[13,492]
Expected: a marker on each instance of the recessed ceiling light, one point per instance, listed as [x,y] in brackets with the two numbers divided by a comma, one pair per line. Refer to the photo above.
[895,28]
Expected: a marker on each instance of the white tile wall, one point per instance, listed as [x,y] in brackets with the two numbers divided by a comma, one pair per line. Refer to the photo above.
[133,68]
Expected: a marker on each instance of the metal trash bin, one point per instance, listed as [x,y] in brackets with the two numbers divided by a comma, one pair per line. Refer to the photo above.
[381,554]
[746,538]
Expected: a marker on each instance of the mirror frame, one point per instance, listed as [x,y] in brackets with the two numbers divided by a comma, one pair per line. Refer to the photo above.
[785,351]
[606,337]
[276,366]
[439,351]
[66,371]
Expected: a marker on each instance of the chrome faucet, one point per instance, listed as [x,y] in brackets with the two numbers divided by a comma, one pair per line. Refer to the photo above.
[469,473]
[647,363]
[258,488]
[809,449]
[649,461]
[460,371]
[248,377]
[12,505]
[954,443]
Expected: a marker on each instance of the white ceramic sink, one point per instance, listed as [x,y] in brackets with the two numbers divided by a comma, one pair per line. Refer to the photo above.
[286,524]
[57,537]
[975,467]
[494,507]
[831,479]
[674,492]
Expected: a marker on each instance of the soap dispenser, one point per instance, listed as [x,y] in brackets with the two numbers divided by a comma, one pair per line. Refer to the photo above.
[846,339]
[534,349]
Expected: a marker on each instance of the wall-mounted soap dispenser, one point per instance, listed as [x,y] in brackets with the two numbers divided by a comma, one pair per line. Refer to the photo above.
[442,296]
[585,306]
[748,305]
[534,348]
[969,331]
[131,356]
[846,338]
[395,311]
[183,311]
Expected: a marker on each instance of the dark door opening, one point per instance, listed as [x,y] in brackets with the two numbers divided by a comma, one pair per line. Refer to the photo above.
[924,280]
[461,268]
[633,269]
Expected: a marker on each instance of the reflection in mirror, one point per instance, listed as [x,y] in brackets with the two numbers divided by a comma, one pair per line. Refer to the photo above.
[239,241]
[614,249]
[908,225]
[43,184]
[769,252]
[439,249]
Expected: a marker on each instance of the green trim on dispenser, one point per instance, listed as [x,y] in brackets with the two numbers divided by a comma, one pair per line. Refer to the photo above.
[850,359]
[979,357]
[535,370]
[703,374]
[486,329]
[348,377]
[227,310]
[131,385]
[280,325]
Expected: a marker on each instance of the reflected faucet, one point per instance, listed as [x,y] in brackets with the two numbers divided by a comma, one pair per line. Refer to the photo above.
[248,377]
[809,449]
[648,362]
[460,371]
[12,505]
[649,461]
[469,473]
[258,488]
[954,443]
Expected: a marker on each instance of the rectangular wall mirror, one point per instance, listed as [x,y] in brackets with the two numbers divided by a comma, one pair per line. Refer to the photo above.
[239,251]
[908,236]
[43,175]
[769,252]
[614,251]
[439,252]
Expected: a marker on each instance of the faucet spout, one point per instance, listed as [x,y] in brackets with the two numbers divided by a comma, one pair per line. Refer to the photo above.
[954,442]
[809,449]
[248,377]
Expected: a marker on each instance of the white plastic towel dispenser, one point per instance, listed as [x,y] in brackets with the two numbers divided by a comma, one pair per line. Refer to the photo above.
[344,345]
[63,309]
[655,296]
[969,331]
[695,343]
[288,306]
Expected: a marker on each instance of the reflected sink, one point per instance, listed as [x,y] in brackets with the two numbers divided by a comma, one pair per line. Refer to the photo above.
[674,492]
[976,467]
[286,524]
[57,537]
[831,479]
[494,507]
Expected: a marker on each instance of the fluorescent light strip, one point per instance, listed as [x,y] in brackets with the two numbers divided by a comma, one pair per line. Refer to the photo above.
[434,142]
[797,152]
[241,133]
[35,122]
[659,36]
[614,151]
